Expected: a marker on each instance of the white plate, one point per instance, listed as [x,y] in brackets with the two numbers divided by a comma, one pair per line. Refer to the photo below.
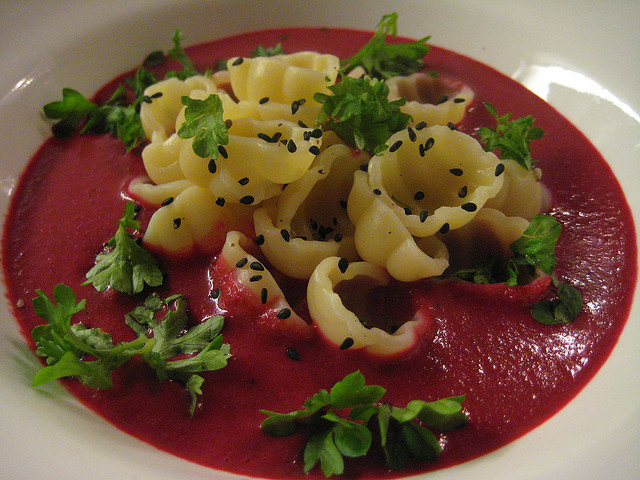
[580,56]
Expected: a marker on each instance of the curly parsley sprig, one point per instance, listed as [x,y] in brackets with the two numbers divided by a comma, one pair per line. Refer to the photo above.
[334,436]
[383,60]
[361,114]
[66,346]
[512,138]
[125,266]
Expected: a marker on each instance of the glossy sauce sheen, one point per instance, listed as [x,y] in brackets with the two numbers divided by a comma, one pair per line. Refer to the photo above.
[515,372]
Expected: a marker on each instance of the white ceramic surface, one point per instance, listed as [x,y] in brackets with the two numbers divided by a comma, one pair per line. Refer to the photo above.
[581,56]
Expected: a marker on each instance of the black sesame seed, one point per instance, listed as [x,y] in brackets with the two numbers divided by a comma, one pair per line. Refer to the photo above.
[285,234]
[421,125]
[337,237]
[156,95]
[377,191]
[462,192]
[429,143]
[243,181]
[423,215]
[263,100]
[421,150]
[459,100]
[260,239]
[347,343]
[246,200]
[220,201]
[212,166]
[215,293]
[306,136]
[177,222]
[265,137]
[343,264]
[291,146]
[412,134]
[256,266]
[296,105]
[419,195]
[469,207]
[223,151]
[407,211]
[228,123]
[443,99]
[302,124]
[146,99]
[314,150]
[456,172]
[499,169]
[316,133]
[293,354]
[364,167]
[242,262]
[276,137]
[237,61]
[444,228]
[255,278]
[264,294]
[395,146]
[451,126]
[394,329]
[343,203]
[284,313]
[166,201]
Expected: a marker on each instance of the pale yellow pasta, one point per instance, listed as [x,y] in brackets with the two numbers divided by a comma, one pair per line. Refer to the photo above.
[264,289]
[489,233]
[382,239]
[429,99]
[160,158]
[158,116]
[434,179]
[341,326]
[270,110]
[522,193]
[143,188]
[283,78]
[309,221]
[194,222]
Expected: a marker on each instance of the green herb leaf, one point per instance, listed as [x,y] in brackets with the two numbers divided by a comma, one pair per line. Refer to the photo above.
[261,51]
[125,266]
[334,436]
[64,345]
[382,60]
[537,245]
[511,137]
[360,113]
[177,53]
[561,310]
[204,123]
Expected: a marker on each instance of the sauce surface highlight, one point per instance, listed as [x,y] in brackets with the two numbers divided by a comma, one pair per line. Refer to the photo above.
[514,372]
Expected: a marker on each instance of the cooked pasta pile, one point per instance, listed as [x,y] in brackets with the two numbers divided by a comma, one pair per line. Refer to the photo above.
[317,209]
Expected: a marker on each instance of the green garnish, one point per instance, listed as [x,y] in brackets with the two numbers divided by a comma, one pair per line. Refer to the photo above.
[382,60]
[178,54]
[535,249]
[125,266]
[65,345]
[563,309]
[511,137]
[204,123]
[122,121]
[360,113]
[334,436]
[116,116]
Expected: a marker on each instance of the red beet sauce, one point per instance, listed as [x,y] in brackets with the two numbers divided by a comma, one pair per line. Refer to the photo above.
[515,372]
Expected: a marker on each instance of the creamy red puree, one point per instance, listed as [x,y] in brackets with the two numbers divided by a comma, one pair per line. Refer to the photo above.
[515,372]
